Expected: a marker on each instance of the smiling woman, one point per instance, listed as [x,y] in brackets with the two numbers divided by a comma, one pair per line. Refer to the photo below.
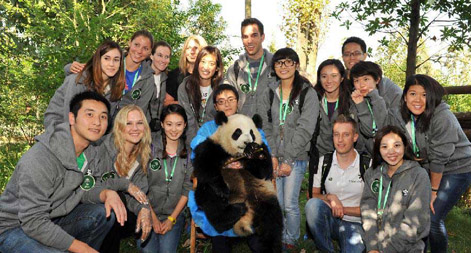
[195,93]
[103,73]
[396,196]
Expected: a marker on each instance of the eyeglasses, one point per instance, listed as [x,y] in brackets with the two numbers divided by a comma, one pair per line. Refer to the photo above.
[222,101]
[354,54]
[287,63]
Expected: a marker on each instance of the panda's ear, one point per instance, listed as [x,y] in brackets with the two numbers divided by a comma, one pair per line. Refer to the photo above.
[221,118]
[258,121]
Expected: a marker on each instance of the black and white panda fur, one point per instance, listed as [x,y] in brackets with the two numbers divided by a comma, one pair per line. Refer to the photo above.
[243,199]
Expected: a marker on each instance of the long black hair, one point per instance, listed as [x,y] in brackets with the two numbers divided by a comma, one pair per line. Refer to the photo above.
[177,109]
[434,94]
[344,90]
[299,80]
[408,153]
[193,84]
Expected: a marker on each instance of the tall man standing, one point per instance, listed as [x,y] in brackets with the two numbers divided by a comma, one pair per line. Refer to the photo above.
[48,204]
[251,73]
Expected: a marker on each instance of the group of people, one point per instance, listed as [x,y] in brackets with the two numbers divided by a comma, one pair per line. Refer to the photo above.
[391,163]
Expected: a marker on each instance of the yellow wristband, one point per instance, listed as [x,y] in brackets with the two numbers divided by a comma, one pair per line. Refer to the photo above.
[173,220]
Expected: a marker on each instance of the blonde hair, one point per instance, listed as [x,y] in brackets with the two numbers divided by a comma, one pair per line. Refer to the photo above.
[183,62]
[142,149]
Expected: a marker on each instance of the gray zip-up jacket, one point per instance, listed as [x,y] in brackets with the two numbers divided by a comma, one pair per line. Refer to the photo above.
[249,104]
[58,109]
[325,143]
[206,113]
[406,217]
[46,185]
[145,84]
[298,127]
[444,147]
[163,195]
[107,154]
[387,95]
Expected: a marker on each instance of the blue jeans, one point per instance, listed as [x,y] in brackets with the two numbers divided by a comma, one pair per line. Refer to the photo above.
[166,243]
[86,222]
[288,189]
[450,190]
[324,227]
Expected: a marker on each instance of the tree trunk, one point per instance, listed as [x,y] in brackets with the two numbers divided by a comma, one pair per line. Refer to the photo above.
[413,38]
[248,8]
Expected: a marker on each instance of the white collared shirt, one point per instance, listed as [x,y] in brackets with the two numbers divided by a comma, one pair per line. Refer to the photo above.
[346,184]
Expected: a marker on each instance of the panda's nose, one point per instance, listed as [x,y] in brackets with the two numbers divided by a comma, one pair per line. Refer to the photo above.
[246,142]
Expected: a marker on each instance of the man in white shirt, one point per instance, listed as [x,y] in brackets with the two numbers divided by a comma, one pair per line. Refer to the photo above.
[334,211]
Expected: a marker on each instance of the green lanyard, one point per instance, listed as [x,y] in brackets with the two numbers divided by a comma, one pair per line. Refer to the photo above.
[415,147]
[380,210]
[283,110]
[81,161]
[136,76]
[253,89]
[326,108]
[169,179]
[372,116]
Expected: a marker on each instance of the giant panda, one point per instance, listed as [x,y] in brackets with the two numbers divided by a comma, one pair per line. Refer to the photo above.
[243,199]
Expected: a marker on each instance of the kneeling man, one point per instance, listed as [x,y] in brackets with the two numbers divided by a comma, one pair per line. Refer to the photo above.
[51,203]
[334,211]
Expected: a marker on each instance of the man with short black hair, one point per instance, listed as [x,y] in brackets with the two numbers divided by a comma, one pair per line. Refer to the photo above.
[353,51]
[251,73]
[334,210]
[51,202]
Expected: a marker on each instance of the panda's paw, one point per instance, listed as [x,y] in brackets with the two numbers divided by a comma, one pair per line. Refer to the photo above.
[243,227]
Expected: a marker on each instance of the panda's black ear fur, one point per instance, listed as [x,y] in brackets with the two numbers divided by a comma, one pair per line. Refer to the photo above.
[258,121]
[221,118]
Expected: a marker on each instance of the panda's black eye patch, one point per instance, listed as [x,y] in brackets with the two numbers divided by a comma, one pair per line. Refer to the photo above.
[252,134]
[237,133]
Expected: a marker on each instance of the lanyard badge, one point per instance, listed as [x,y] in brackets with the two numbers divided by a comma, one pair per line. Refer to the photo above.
[247,88]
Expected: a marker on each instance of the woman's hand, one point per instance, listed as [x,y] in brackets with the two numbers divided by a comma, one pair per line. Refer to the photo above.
[144,222]
[137,194]
[274,161]
[357,97]
[234,165]
[432,200]
[167,225]
[285,170]
[76,67]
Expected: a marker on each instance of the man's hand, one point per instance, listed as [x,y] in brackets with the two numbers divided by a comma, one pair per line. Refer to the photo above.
[144,222]
[335,205]
[113,201]
[137,194]
[81,247]
[76,67]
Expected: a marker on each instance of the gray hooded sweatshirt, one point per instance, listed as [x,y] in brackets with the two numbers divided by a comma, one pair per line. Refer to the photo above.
[444,147]
[298,127]
[406,217]
[163,195]
[387,95]
[107,154]
[206,113]
[147,101]
[46,185]
[249,103]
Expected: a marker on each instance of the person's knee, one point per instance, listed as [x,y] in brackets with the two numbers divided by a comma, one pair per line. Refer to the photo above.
[315,209]
[99,213]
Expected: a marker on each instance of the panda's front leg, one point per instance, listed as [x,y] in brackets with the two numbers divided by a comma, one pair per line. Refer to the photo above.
[259,163]
[213,199]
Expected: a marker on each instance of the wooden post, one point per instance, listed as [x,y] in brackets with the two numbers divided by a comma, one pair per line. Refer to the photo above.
[248,8]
